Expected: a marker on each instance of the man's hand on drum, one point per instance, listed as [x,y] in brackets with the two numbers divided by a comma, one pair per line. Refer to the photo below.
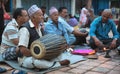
[24,51]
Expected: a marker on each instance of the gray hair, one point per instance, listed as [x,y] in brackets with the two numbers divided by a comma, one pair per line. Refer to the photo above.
[107,11]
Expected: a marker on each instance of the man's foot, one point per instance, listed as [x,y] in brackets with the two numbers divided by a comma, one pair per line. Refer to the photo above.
[64,62]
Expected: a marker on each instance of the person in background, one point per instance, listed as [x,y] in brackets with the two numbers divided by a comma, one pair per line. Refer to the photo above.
[99,30]
[72,21]
[113,10]
[28,33]
[77,15]
[80,36]
[43,8]
[1,18]
[10,36]
[100,12]
[90,17]
[83,16]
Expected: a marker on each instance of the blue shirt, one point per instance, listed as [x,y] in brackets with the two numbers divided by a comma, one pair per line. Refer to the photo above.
[67,26]
[101,30]
[51,28]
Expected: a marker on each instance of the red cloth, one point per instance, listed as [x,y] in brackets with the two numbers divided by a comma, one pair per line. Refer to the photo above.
[6,16]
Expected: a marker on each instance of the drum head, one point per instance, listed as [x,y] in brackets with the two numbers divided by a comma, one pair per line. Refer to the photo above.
[37,49]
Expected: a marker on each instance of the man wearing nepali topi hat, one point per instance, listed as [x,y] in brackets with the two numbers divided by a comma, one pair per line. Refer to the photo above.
[53,26]
[30,32]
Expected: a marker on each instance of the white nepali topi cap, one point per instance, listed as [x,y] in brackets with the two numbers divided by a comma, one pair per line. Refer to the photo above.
[52,10]
[33,9]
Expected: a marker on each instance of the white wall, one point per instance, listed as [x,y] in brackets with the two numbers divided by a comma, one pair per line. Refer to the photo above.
[73,7]
[18,4]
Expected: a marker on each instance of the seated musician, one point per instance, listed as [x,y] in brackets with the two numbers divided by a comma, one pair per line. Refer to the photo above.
[29,32]
[53,26]
[10,35]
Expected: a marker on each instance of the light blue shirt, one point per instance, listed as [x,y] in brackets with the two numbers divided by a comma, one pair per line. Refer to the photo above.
[101,30]
[51,28]
[67,26]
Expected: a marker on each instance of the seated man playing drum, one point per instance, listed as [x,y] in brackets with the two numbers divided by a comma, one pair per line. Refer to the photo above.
[30,32]
[53,26]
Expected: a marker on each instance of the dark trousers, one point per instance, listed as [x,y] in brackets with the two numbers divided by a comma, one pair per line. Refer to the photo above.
[106,42]
[80,40]
[1,31]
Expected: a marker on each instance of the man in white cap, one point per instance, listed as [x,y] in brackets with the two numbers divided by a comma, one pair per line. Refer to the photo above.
[28,33]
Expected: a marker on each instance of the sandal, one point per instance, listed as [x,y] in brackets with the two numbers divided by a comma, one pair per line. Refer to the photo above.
[18,72]
[2,70]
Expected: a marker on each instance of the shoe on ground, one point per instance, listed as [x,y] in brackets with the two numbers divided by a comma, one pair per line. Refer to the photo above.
[18,72]
[64,62]
[2,70]
[94,56]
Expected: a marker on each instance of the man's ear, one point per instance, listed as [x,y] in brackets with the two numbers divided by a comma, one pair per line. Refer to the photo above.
[18,17]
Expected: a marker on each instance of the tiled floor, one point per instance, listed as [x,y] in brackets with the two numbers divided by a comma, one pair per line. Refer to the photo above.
[90,66]
[93,66]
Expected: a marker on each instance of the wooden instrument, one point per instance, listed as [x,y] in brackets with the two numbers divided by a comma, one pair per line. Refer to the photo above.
[48,47]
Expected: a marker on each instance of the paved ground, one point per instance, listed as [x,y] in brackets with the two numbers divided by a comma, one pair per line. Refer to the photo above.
[90,66]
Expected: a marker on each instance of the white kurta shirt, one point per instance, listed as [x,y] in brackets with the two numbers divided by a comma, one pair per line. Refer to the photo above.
[25,35]
[28,62]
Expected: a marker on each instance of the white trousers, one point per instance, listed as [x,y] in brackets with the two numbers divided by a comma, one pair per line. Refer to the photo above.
[31,62]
